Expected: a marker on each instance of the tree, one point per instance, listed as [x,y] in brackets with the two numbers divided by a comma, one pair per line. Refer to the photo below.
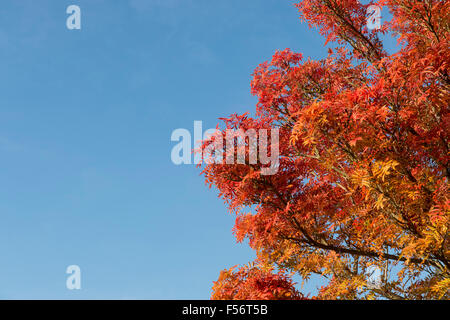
[363,177]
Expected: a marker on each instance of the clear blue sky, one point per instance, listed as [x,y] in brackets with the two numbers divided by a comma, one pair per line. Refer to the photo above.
[85,122]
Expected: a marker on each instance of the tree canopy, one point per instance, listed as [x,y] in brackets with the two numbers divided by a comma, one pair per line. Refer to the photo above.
[363,177]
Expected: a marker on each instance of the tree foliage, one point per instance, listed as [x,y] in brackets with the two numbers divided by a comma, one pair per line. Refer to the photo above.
[363,179]
[253,283]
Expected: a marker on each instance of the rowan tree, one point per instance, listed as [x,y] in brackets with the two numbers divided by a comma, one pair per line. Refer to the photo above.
[363,176]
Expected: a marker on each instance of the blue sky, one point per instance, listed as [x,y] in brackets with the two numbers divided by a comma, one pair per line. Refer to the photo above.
[85,123]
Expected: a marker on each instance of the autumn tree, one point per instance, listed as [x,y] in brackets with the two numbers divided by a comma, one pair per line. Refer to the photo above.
[363,177]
